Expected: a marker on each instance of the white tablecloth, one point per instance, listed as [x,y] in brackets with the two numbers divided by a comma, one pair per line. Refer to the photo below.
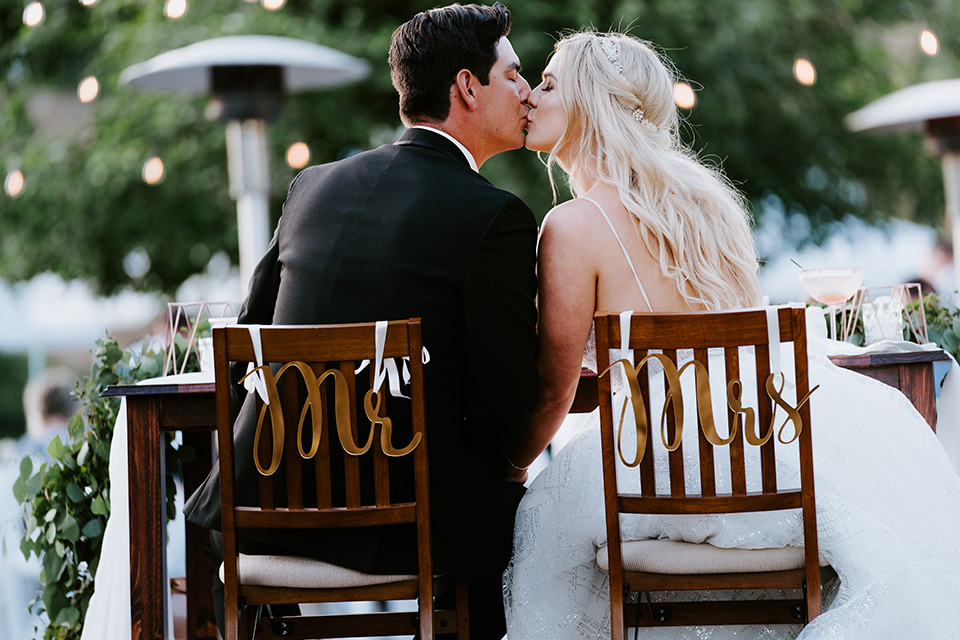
[108,616]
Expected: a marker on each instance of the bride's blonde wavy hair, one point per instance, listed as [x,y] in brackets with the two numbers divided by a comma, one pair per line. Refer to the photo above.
[690,217]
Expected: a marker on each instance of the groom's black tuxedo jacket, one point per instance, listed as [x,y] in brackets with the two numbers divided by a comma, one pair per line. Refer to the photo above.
[410,230]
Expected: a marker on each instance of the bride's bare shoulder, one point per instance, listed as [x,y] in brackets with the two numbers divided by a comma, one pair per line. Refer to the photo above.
[575,218]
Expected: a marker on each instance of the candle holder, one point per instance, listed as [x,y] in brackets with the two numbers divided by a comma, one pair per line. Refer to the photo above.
[188,324]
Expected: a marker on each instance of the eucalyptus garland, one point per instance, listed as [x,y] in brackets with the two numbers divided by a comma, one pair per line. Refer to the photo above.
[67,499]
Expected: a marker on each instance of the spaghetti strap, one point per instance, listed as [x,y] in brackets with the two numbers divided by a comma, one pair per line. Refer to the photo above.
[622,248]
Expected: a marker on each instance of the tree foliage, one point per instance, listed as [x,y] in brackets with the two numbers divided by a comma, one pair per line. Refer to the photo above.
[85,207]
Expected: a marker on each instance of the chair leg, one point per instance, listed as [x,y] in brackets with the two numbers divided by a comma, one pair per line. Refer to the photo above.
[463,612]
[617,625]
[244,623]
[231,613]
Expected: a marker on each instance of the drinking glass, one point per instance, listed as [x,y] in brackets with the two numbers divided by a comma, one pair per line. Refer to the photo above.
[831,287]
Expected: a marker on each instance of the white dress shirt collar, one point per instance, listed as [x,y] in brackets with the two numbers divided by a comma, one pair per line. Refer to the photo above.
[469,156]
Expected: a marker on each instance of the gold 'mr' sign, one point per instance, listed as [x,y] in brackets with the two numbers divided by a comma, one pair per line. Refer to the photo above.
[674,398]
[313,405]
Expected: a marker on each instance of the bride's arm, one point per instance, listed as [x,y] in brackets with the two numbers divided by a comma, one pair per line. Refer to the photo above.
[566,299]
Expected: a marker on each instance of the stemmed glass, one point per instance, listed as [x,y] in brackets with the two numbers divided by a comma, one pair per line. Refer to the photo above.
[831,287]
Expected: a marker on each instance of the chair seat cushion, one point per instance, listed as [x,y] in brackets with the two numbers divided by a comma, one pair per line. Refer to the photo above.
[676,557]
[304,573]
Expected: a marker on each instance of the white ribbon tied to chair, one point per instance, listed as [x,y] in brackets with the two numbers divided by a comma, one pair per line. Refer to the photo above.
[384,368]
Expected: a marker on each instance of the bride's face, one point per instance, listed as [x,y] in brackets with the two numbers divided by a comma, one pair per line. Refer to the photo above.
[546,120]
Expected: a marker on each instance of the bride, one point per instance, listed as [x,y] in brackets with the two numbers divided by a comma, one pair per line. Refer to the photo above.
[654,229]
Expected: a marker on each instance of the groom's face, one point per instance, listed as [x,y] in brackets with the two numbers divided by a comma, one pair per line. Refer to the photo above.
[503,101]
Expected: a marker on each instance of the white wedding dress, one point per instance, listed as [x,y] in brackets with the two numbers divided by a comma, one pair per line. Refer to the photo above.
[888,521]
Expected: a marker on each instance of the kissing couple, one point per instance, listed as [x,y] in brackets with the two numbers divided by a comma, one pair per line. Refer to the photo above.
[413,230]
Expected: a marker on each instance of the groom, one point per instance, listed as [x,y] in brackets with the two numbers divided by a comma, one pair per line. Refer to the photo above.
[413,230]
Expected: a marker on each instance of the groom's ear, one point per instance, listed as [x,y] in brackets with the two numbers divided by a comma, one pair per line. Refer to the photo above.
[464,89]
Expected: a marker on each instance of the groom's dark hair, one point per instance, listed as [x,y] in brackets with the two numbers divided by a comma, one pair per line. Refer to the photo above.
[428,51]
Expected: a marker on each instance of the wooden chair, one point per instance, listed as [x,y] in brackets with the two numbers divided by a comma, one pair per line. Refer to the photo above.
[318,368]
[640,567]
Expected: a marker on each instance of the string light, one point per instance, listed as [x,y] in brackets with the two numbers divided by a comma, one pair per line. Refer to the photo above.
[804,72]
[153,170]
[683,95]
[273,5]
[929,43]
[88,89]
[175,9]
[298,155]
[13,184]
[33,14]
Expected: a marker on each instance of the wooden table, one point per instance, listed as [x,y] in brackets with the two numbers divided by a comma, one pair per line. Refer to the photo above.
[152,410]
[911,373]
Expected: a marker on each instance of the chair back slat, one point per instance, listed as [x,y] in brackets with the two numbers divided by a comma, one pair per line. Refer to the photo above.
[648,476]
[351,464]
[322,474]
[678,486]
[265,483]
[291,418]
[380,460]
[708,469]
[738,470]
[768,451]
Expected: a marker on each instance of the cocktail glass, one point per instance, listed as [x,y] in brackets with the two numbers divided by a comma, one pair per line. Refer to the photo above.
[831,287]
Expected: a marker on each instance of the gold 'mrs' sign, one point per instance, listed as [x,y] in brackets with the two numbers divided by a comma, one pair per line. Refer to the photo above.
[673,399]
[313,405]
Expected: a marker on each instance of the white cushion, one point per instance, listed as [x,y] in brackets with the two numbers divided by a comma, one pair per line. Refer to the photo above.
[304,573]
[676,557]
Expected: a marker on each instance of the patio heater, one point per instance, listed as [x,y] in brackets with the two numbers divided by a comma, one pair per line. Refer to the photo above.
[935,108]
[247,78]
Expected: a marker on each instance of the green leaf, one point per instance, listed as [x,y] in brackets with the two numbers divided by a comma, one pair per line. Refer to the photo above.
[56,448]
[75,493]
[20,490]
[67,617]
[93,528]
[99,506]
[149,369]
[51,533]
[55,600]
[26,467]
[950,341]
[112,353]
[26,547]
[53,567]
[69,529]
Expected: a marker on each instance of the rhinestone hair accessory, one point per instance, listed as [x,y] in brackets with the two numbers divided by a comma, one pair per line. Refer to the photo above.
[639,117]
[612,50]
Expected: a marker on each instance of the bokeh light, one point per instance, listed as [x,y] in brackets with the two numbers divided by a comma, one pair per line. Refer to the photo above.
[298,155]
[153,170]
[273,5]
[804,72]
[88,89]
[88,3]
[683,95]
[929,43]
[33,14]
[175,9]
[13,184]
